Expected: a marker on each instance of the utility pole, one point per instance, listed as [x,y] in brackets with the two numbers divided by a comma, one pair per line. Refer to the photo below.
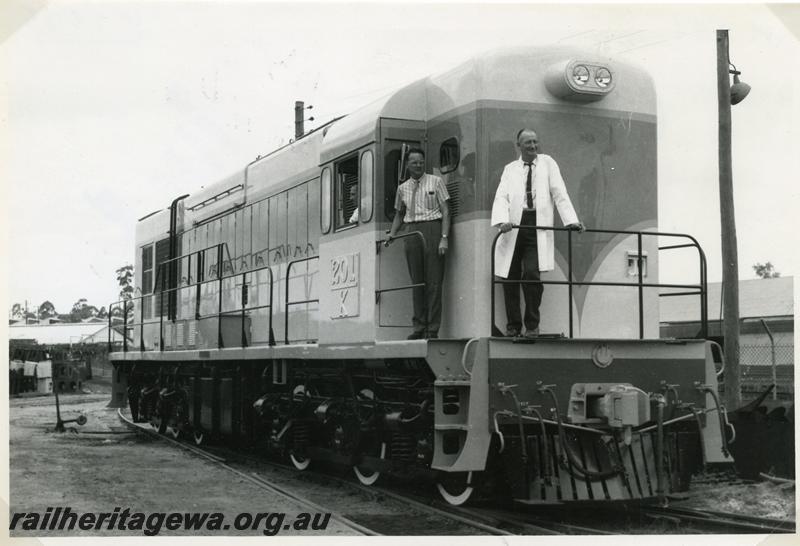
[300,119]
[730,259]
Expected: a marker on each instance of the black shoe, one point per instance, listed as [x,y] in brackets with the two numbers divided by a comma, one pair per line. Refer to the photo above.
[512,332]
[532,333]
[432,335]
[417,335]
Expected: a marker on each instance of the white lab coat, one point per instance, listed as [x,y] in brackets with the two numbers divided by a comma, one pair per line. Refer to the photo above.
[510,200]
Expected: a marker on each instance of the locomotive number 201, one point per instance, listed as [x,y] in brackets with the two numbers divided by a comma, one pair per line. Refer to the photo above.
[344,271]
[344,282]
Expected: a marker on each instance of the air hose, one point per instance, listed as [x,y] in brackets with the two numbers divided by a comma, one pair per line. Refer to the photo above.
[573,459]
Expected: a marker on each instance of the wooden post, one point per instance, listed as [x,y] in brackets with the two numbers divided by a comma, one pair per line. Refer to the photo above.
[730,259]
[299,115]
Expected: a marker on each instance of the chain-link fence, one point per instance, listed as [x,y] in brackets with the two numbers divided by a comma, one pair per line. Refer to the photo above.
[761,354]
[756,360]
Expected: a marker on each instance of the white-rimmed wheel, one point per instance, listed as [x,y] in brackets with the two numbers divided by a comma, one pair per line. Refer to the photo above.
[369,477]
[160,417]
[180,412]
[199,437]
[365,475]
[299,462]
[299,459]
[455,487]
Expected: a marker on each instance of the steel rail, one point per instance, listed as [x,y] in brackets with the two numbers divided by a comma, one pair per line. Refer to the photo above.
[725,521]
[465,516]
[444,512]
[554,527]
[478,519]
[254,479]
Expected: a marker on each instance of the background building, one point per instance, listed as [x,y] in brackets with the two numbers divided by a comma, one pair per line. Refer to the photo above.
[766,308]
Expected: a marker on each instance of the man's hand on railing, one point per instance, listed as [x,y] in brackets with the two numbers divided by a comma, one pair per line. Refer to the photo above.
[388,241]
[577,226]
[506,227]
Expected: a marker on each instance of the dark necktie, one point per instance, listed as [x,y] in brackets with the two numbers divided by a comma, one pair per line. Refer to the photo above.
[528,194]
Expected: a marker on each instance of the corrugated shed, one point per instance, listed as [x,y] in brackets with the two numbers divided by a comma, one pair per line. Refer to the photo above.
[48,334]
[757,298]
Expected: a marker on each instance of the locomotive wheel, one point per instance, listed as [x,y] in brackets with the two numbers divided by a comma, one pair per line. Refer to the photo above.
[159,419]
[455,487]
[159,423]
[365,476]
[299,462]
[199,437]
[180,418]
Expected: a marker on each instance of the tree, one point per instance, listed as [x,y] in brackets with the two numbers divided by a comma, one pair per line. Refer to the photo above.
[766,270]
[125,281]
[81,310]
[102,313]
[20,312]
[47,310]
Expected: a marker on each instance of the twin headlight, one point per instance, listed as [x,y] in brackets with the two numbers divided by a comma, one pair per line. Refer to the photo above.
[579,80]
[581,74]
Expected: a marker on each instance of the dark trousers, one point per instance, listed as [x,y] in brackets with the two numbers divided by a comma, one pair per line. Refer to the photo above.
[426,266]
[524,266]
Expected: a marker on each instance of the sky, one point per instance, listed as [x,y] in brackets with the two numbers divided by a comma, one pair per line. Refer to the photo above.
[112,109]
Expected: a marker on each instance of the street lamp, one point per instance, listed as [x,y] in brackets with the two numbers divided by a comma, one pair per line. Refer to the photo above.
[739,89]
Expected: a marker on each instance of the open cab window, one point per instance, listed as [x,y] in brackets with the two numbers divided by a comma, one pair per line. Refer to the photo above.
[346,193]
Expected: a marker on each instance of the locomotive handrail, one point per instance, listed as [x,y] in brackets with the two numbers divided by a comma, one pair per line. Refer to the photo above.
[202,251]
[299,302]
[243,310]
[379,243]
[697,289]
[220,313]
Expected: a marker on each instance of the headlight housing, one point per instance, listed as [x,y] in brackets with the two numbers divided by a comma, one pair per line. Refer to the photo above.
[579,80]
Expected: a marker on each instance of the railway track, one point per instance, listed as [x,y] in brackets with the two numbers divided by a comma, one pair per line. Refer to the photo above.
[481,520]
[253,478]
[489,520]
[431,519]
[690,520]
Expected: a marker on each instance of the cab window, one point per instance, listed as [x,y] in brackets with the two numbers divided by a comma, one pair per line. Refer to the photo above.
[346,192]
[449,155]
[367,176]
[325,201]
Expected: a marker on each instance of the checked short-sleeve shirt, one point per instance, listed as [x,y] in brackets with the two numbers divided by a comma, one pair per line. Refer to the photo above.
[421,198]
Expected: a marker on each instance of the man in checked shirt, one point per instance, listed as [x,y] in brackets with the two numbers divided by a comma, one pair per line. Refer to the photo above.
[421,205]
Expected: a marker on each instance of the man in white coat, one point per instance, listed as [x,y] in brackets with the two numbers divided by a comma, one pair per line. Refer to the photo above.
[529,188]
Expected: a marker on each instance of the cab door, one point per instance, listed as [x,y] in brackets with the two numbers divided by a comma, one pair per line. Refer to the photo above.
[393,301]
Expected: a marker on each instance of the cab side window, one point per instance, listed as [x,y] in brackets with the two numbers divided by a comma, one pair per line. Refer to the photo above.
[391,176]
[449,155]
[346,194]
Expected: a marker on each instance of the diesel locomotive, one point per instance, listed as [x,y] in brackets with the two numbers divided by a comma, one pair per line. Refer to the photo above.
[267,313]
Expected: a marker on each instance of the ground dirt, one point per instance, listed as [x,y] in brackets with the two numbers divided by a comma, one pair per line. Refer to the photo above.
[763,499]
[104,466]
